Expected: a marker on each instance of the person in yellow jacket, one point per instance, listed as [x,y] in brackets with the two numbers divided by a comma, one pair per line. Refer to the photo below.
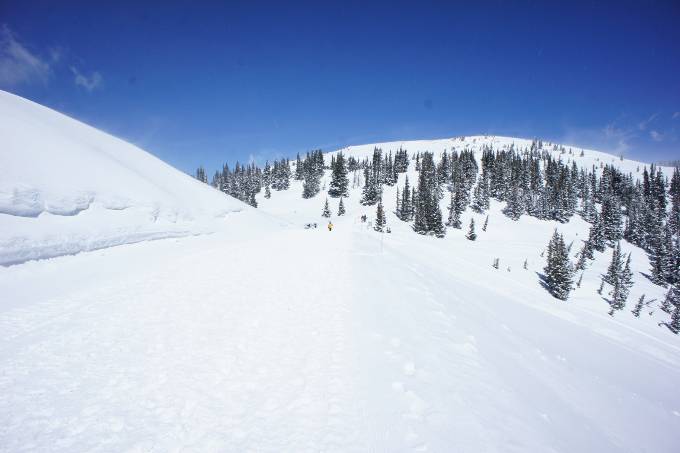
[330,226]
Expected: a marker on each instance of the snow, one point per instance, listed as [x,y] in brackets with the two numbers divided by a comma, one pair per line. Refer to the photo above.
[264,336]
[66,187]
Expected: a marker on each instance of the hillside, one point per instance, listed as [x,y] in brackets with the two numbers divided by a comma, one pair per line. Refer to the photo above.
[268,336]
[66,187]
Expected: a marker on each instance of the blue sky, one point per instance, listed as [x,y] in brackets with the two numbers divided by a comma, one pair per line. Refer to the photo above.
[259,80]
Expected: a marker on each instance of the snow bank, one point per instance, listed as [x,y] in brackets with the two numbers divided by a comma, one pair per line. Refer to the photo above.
[66,187]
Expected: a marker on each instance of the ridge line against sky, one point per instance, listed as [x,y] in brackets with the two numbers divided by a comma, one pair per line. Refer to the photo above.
[241,81]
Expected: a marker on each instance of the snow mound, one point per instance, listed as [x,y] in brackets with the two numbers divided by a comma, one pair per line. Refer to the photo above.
[66,187]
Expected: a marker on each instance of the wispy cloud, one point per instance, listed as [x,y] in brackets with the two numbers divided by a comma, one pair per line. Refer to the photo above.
[643,125]
[18,65]
[89,83]
[676,115]
[656,136]
[611,138]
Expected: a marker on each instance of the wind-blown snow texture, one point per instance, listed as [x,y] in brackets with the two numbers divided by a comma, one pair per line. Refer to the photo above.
[66,187]
[260,337]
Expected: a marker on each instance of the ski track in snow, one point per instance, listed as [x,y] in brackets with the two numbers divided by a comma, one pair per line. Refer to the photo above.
[209,344]
[175,360]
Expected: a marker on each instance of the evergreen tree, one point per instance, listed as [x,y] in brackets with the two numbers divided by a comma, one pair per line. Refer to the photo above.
[515,207]
[380,219]
[558,269]
[621,279]
[480,196]
[486,223]
[428,216]
[674,325]
[611,219]
[201,175]
[406,207]
[326,210]
[585,254]
[299,169]
[339,182]
[471,235]
[615,266]
[639,306]
[312,170]
[267,192]
[341,208]
[596,236]
[661,258]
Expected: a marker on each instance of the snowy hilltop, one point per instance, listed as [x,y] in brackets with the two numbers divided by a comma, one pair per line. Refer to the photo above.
[66,187]
[466,294]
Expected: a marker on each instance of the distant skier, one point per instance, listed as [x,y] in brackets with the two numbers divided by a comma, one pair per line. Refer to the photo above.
[330,226]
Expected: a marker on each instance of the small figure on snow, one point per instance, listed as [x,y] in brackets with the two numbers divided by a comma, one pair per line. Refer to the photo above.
[330,226]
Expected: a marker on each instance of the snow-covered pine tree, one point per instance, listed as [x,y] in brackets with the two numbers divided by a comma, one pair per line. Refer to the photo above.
[661,257]
[627,276]
[596,235]
[584,255]
[312,172]
[515,207]
[621,278]
[639,306]
[480,197]
[267,192]
[454,214]
[674,324]
[341,208]
[326,210]
[339,181]
[471,235]
[380,219]
[299,169]
[486,223]
[373,180]
[611,219]
[428,216]
[558,269]
[201,175]
[406,206]
[615,266]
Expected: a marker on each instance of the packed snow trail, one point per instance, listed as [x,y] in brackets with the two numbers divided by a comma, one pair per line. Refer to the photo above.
[230,346]
[309,340]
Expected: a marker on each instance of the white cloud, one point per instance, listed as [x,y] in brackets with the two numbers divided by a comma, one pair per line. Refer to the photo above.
[89,83]
[611,138]
[19,65]
[644,124]
[656,135]
[676,115]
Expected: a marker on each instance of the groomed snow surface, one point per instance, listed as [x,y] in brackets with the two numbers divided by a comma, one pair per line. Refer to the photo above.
[309,340]
[264,336]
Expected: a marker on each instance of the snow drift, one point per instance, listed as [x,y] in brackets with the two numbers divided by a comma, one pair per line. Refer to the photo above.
[66,187]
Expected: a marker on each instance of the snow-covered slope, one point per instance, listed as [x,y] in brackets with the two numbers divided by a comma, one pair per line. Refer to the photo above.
[475,143]
[66,187]
[259,338]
